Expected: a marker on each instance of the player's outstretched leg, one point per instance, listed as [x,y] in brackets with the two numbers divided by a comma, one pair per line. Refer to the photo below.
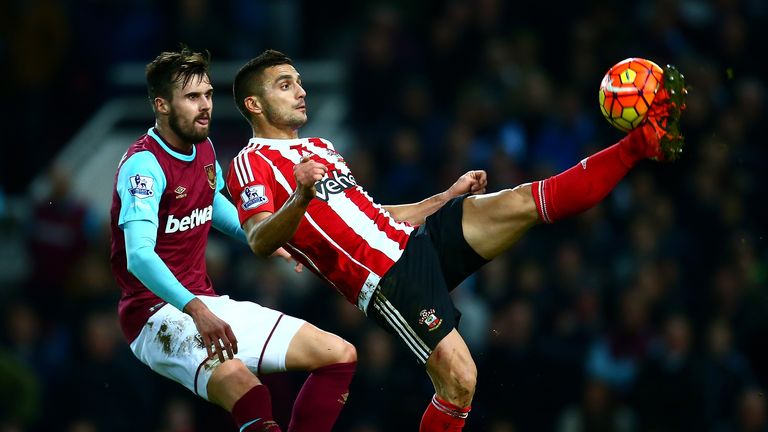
[331,361]
[233,387]
[493,222]
[454,375]
[586,184]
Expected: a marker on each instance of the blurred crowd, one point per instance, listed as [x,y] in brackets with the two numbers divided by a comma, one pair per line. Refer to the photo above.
[647,313]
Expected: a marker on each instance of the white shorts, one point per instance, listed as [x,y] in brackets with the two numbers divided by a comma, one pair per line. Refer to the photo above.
[169,342]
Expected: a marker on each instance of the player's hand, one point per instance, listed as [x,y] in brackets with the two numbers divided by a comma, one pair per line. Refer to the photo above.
[307,172]
[473,182]
[284,254]
[216,334]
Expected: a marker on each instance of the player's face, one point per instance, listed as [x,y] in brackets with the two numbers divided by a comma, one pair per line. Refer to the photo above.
[283,99]
[190,110]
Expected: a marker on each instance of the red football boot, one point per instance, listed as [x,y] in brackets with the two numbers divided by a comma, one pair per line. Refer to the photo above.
[661,129]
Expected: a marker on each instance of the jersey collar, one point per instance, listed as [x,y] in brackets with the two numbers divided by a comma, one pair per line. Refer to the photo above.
[181,156]
[271,142]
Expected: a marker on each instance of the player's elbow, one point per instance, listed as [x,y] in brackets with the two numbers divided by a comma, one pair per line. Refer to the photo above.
[261,249]
[136,260]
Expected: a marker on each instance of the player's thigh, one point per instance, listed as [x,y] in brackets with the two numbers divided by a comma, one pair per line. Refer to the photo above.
[312,348]
[493,222]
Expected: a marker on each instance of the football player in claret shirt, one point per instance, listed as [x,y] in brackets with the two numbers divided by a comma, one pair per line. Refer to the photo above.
[166,198]
[398,263]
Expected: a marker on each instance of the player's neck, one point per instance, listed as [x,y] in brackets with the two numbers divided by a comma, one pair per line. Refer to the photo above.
[173,140]
[272,132]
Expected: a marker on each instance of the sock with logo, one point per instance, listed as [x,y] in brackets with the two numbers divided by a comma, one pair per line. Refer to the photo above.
[443,416]
[253,411]
[581,187]
[321,398]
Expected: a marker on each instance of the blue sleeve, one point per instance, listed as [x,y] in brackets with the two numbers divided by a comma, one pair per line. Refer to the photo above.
[146,265]
[225,218]
[140,184]
[219,178]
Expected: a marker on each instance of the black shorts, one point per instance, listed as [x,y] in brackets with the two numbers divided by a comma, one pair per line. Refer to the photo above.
[413,298]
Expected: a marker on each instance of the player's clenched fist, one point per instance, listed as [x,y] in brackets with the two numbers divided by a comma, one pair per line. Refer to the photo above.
[307,172]
[473,182]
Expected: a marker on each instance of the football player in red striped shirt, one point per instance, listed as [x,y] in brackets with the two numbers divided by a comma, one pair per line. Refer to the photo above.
[398,263]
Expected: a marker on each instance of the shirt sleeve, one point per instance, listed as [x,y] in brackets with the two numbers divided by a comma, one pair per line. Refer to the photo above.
[225,218]
[250,182]
[219,178]
[144,263]
[140,185]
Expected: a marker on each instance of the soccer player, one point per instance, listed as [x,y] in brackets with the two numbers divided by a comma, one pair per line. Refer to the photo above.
[166,198]
[398,263]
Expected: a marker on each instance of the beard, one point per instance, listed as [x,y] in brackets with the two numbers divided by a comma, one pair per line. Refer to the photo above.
[187,131]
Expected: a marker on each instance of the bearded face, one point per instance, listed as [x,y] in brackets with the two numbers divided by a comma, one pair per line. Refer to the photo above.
[191,129]
[189,110]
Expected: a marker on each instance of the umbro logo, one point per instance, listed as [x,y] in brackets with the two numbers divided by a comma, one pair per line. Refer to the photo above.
[181,192]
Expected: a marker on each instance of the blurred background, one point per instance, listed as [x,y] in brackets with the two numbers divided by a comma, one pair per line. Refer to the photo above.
[647,313]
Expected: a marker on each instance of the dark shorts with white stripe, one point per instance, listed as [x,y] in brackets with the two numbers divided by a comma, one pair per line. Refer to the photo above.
[413,299]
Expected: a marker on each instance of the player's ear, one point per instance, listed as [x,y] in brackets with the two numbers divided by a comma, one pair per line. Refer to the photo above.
[162,106]
[252,104]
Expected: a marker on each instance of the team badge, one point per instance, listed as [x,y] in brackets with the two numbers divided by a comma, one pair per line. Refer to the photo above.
[141,186]
[428,317]
[210,171]
[253,196]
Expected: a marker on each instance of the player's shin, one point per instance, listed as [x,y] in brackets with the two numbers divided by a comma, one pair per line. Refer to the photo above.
[443,416]
[583,186]
[321,398]
[253,411]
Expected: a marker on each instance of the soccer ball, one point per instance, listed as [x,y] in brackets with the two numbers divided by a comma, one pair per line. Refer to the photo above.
[627,91]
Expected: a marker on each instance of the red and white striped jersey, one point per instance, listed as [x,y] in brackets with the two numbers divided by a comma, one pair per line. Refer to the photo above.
[344,236]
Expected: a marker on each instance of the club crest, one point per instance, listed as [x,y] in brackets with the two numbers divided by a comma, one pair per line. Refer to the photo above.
[210,171]
[428,318]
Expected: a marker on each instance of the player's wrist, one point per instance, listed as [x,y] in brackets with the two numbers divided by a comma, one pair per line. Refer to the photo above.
[194,307]
[304,194]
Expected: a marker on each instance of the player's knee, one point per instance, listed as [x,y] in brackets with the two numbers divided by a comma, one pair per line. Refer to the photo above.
[229,382]
[465,378]
[347,353]
[233,371]
[461,382]
[341,352]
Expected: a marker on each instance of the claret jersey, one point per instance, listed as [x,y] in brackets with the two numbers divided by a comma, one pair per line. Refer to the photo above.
[175,192]
[344,236]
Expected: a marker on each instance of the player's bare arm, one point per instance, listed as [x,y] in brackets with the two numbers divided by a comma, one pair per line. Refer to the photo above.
[266,231]
[472,182]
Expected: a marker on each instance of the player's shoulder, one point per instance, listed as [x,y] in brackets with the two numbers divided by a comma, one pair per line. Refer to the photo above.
[320,142]
[140,159]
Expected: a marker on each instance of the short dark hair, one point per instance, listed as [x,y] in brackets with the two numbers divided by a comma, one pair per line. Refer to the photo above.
[244,85]
[171,67]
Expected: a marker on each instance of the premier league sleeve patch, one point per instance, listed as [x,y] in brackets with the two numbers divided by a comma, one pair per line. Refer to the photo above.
[253,196]
[141,186]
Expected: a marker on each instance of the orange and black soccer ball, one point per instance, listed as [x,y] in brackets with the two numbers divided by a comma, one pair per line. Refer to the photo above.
[627,91]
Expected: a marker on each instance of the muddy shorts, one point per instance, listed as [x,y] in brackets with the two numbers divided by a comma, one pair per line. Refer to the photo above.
[170,344]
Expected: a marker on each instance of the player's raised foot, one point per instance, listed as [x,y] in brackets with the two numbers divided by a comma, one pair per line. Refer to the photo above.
[662,127]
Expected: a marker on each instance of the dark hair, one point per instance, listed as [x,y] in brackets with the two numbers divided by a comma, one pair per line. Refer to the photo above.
[171,67]
[245,85]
